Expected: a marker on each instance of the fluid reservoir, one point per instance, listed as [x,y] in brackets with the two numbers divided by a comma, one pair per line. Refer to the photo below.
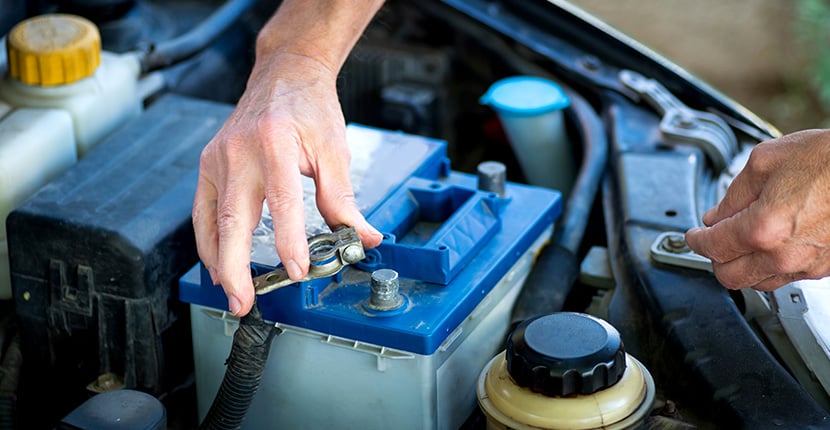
[59,96]
[565,371]
[530,109]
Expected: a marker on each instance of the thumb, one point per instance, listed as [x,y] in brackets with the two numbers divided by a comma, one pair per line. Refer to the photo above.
[744,189]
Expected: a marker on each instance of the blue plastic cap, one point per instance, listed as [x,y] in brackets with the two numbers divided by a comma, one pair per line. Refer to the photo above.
[525,96]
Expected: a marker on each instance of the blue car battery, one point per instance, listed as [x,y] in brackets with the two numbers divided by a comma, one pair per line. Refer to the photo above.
[460,256]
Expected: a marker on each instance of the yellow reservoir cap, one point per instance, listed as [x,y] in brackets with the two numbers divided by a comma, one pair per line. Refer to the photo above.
[53,49]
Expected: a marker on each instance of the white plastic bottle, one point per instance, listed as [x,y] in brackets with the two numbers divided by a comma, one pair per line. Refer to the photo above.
[531,111]
[59,97]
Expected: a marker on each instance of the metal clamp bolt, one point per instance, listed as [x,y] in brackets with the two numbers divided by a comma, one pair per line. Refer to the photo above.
[674,243]
[329,253]
[671,248]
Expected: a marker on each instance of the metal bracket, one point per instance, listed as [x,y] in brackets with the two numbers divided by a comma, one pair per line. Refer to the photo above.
[329,253]
[792,311]
[670,248]
[683,125]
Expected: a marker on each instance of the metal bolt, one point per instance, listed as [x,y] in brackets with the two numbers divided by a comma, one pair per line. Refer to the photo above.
[669,410]
[492,176]
[675,243]
[353,253]
[385,286]
[590,63]
[685,121]
[105,382]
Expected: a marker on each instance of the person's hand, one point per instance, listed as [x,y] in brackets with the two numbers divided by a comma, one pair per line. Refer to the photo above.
[773,225]
[287,123]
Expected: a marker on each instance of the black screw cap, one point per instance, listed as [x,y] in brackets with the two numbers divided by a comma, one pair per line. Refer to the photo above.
[564,354]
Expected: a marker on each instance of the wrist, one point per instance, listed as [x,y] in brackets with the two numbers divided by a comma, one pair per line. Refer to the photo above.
[285,66]
[325,30]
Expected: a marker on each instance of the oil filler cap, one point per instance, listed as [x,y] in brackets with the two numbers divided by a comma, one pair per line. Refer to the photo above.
[53,49]
[564,354]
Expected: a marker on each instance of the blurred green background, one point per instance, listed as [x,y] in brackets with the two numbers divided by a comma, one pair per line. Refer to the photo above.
[772,56]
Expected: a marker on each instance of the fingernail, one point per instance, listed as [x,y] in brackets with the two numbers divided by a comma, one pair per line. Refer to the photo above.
[293,270]
[378,236]
[234,305]
[706,218]
[692,232]
[376,233]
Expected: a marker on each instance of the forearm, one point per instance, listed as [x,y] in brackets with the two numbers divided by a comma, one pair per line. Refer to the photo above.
[322,30]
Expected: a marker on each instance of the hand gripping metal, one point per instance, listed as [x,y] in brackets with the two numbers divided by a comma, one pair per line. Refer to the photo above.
[683,125]
[670,248]
[328,252]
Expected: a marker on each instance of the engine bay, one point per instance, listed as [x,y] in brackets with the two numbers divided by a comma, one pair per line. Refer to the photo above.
[651,149]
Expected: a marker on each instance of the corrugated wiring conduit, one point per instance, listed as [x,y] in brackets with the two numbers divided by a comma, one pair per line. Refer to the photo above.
[245,367]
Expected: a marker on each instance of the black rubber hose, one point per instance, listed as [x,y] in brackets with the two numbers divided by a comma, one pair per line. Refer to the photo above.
[188,44]
[571,228]
[557,266]
[245,366]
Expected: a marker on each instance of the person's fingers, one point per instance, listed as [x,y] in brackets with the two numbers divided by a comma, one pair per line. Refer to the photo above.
[778,281]
[767,270]
[768,230]
[347,213]
[369,235]
[284,196]
[239,211]
[744,189]
[204,226]
[743,272]
[722,243]
[765,226]
[336,201]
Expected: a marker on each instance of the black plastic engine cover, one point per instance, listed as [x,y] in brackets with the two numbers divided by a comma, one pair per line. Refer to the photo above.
[95,257]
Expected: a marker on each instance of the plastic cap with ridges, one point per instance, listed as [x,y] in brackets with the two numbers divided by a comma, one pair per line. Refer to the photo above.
[53,49]
[564,354]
